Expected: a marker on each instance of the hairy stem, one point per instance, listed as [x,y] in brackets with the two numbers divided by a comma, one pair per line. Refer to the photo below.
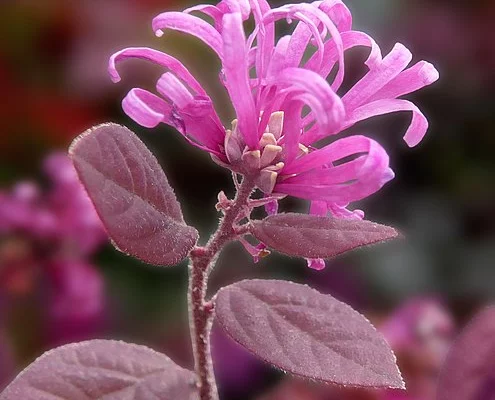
[200,310]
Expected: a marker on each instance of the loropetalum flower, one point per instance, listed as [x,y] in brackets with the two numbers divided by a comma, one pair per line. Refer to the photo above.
[288,97]
[50,237]
[420,332]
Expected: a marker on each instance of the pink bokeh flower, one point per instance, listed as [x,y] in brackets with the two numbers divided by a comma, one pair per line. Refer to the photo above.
[288,98]
[48,237]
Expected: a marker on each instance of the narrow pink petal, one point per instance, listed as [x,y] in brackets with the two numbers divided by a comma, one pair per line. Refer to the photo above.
[241,6]
[418,76]
[292,130]
[339,210]
[316,35]
[265,36]
[311,16]
[279,57]
[212,11]
[145,108]
[328,154]
[334,193]
[367,185]
[197,122]
[252,60]
[259,8]
[208,9]
[172,88]
[299,41]
[328,174]
[157,57]
[331,175]
[416,130]
[192,25]
[194,116]
[202,124]
[318,208]
[235,66]
[349,40]
[333,184]
[377,77]
[310,87]
[338,13]
[217,12]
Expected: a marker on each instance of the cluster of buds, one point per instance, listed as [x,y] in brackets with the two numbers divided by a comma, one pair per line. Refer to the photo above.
[264,163]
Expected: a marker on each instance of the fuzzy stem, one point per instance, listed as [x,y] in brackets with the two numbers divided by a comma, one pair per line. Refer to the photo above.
[200,310]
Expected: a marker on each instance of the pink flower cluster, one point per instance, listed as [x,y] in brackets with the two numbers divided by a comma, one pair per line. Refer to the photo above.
[288,98]
[49,237]
[421,332]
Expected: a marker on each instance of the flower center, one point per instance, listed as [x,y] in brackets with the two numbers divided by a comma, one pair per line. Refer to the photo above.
[266,161]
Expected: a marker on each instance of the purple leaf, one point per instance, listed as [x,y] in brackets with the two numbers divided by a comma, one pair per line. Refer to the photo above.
[302,331]
[311,236]
[102,369]
[132,195]
[469,369]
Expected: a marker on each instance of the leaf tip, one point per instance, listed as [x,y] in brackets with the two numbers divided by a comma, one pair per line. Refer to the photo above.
[77,140]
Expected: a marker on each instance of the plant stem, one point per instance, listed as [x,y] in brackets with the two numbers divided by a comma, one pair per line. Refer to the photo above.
[201,310]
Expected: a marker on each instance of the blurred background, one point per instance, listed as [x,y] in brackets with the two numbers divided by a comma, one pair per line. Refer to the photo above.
[60,280]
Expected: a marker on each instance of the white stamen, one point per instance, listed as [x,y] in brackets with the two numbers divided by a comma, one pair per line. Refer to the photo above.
[270,152]
[267,139]
[266,180]
[252,159]
[276,124]
[303,150]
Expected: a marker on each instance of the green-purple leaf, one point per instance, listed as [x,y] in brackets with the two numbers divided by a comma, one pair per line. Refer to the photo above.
[469,369]
[311,236]
[132,195]
[302,331]
[102,369]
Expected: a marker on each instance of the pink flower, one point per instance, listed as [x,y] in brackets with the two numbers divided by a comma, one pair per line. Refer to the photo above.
[421,322]
[285,105]
[76,220]
[49,237]
[76,300]
[420,332]
[271,87]
[64,215]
